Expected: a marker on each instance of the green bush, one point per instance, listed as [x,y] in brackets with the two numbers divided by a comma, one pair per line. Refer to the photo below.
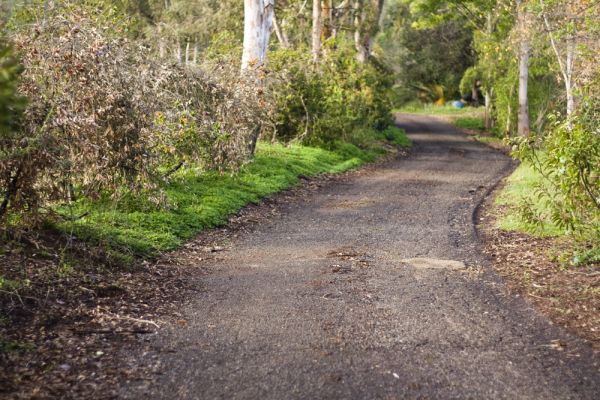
[324,103]
[104,116]
[570,166]
[11,107]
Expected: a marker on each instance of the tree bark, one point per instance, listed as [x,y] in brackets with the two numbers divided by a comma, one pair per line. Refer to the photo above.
[258,19]
[326,17]
[364,36]
[281,36]
[187,52]
[566,66]
[316,30]
[523,128]
[488,108]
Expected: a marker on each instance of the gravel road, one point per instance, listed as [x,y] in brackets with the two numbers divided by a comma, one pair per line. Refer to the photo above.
[374,287]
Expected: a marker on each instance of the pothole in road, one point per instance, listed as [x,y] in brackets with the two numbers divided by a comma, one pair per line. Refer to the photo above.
[433,263]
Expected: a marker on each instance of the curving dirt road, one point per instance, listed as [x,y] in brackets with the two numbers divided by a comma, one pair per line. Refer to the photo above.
[372,288]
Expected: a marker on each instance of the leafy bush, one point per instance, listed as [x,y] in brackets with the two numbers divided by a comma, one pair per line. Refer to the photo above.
[103,116]
[11,106]
[325,103]
[570,165]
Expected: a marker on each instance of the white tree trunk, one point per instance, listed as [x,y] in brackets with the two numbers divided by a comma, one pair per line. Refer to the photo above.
[258,19]
[569,77]
[364,36]
[488,108]
[316,30]
[523,123]
[187,52]
[362,53]
[523,126]
[566,67]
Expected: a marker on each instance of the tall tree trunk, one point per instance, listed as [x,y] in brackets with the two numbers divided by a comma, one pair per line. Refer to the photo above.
[364,35]
[361,50]
[281,36]
[569,77]
[258,19]
[566,66]
[187,52]
[316,30]
[523,124]
[489,92]
[523,128]
[326,17]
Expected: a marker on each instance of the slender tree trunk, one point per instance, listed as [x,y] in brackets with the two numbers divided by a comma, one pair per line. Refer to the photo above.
[187,53]
[566,66]
[523,124]
[361,50]
[364,36]
[258,19]
[326,16]
[523,128]
[316,30]
[488,108]
[195,53]
[178,52]
[569,77]
[161,47]
[281,36]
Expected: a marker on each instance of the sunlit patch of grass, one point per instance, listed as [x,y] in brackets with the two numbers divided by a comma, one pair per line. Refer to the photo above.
[470,123]
[198,200]
[520,189]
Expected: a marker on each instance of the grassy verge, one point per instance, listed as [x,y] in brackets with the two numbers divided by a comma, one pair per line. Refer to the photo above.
[196,200]
[518,191]
[519,197]
[432,109]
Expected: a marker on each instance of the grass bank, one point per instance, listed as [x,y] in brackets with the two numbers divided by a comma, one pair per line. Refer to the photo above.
[520,209]
[195,200]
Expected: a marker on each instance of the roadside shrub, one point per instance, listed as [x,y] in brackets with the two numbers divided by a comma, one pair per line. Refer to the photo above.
[104,117]
[570,165]
[324,103]
[11,106]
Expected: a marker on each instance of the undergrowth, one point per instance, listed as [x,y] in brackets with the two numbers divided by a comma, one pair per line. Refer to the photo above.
[197,200]
[524,211]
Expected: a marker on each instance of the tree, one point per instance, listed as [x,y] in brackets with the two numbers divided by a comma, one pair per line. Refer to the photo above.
[523,18]
[258,20]
[367,21]
[316,30]
[567,24]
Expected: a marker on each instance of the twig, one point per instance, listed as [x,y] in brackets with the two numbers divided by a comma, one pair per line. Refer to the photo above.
[110,331]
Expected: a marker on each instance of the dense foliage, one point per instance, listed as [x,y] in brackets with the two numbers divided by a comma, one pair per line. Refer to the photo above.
[124,94]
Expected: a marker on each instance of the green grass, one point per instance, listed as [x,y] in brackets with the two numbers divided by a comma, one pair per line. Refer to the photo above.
[396,136]
[520,187]
[489,140]
[432,109]
[198,200]
[470,123]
